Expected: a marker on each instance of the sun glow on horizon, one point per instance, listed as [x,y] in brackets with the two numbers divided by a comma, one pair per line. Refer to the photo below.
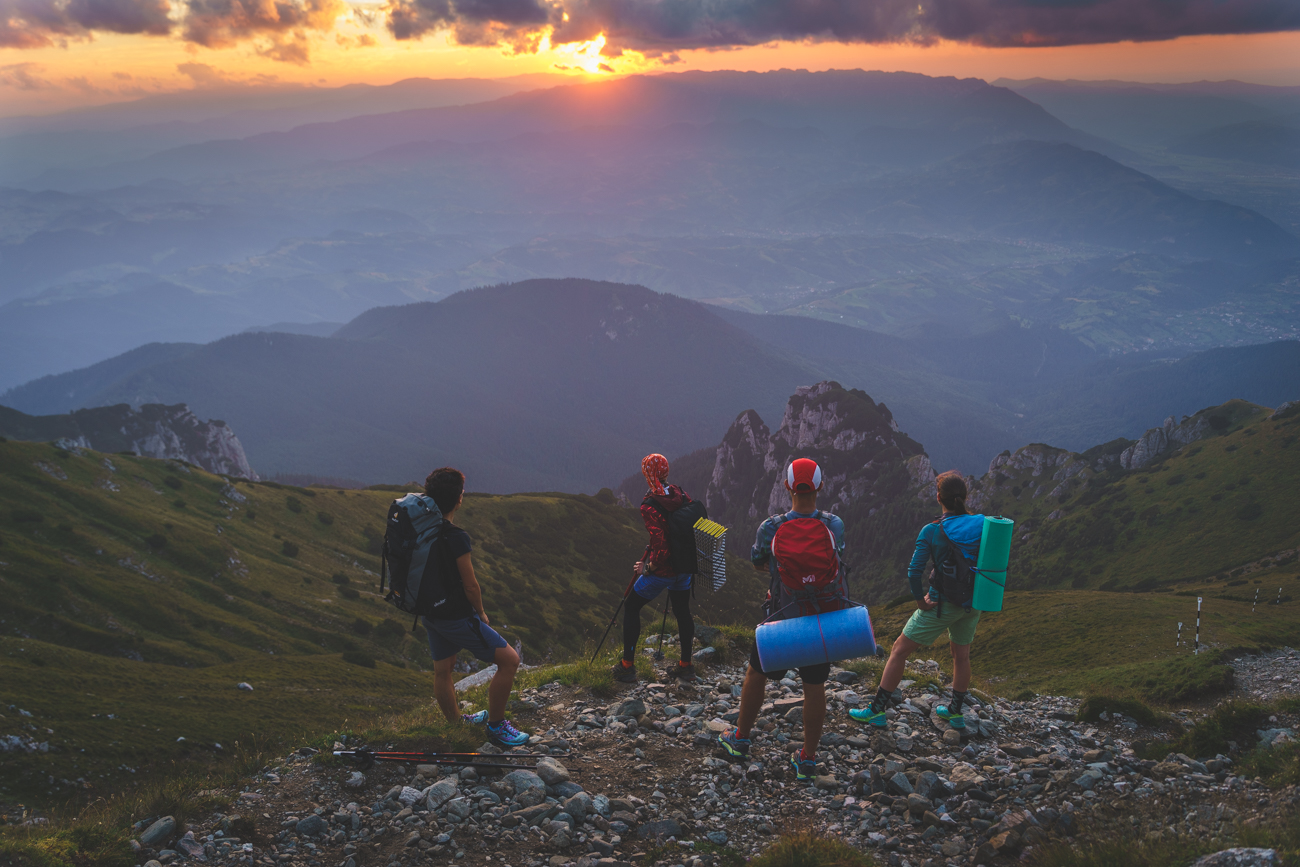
[584,56]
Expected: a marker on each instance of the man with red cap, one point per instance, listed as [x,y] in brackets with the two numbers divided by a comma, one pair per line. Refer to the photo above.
[789,544]
[656,573]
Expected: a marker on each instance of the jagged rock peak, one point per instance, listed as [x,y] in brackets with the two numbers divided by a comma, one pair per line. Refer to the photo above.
[854,439]
[1159,441]
[153,430]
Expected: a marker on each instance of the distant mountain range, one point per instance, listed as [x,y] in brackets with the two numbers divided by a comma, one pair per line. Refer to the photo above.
[564,384]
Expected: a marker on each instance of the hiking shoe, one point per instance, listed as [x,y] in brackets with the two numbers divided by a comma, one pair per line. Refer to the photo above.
[474,719]
[681,672]
[956,720]
[735,747]
[503,734]
[804,769]
[870,717]
[624,673]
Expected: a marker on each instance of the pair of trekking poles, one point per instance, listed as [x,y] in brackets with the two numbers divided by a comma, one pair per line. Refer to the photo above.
[659,649]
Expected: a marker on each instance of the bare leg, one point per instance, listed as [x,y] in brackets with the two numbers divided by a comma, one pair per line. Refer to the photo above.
[751,701]
[443,690]
[893,673]
[814,716]
[960,667]
[507,662]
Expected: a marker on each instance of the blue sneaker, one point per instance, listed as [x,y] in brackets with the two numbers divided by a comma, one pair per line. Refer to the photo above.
[870,717]
[734,747]
[474,719]
[503,734]
[956,720]
[804,769]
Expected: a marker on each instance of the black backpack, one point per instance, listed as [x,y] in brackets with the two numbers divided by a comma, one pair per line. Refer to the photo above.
[681,533]
[412,530]
[956,574]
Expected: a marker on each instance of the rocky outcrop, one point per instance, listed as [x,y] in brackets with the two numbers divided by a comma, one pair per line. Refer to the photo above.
[1157,441]
[153,431]
[854,439]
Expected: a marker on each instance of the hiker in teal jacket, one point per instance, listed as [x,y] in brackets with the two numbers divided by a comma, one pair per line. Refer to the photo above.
[933,616]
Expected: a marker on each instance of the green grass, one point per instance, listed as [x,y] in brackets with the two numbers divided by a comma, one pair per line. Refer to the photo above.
[1119,853]
[1186,523]
[809,850]
[118,602]
[1232,722]
[1092,707]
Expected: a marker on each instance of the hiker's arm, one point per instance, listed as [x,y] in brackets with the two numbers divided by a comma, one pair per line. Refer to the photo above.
[761,554]
[657,551]
[470,583]
[916,568]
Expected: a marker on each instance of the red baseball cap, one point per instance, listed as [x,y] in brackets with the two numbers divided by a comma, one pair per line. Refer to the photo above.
[803,476]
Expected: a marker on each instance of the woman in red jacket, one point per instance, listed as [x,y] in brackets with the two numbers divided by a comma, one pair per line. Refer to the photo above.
[655,573]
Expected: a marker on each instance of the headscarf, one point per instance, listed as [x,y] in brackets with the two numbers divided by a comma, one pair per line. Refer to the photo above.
[655,469]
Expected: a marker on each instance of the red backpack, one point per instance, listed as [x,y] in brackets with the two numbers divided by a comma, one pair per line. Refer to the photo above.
[806,561]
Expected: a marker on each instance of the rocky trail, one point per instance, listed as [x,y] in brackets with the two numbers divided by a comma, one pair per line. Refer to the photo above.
[626,775]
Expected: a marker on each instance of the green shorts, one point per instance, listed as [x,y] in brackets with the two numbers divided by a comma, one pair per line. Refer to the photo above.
[925,627]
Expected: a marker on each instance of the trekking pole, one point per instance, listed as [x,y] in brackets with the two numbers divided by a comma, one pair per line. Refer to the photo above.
[616,610]
[659,649]
[476,760]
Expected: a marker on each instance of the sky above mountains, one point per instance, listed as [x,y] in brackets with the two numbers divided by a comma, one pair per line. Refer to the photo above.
[57,54]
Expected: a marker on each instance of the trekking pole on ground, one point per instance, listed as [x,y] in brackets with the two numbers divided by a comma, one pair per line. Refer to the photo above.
[659,648]
[476,760]
[614,618]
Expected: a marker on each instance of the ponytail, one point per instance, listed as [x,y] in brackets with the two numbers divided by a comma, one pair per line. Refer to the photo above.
[951,487]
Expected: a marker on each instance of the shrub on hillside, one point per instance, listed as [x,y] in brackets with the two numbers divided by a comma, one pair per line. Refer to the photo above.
[325,518]
[340,578]
[173,483]
[348,593]
[1092,707]
[809,850]
[1233,722]
[361,626]
[157,541]
[293,504]
[356,657]
[289,549]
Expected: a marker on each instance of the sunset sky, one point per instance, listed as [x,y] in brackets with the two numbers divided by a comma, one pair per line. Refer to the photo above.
[56,54]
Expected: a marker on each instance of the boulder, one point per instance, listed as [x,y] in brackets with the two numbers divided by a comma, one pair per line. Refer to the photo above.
[439,793]
[312,826]
[551,772]
[159,832]
[523,779]
[631,707]
[1240,858]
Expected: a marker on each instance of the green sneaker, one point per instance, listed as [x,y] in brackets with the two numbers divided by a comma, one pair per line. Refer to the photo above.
[870,717]
[804,769]
[956,720]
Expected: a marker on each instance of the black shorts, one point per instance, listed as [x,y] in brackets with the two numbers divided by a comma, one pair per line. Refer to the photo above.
[810,674]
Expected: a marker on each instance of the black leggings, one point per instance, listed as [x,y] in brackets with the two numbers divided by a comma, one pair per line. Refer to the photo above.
[681,601]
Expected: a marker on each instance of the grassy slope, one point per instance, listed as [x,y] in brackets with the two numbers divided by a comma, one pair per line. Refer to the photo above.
[122,601]
[1184,524]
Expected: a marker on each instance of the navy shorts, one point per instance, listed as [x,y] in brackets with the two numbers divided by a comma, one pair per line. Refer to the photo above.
[449,637]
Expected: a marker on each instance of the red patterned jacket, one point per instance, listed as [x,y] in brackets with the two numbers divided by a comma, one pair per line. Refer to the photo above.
[659,559]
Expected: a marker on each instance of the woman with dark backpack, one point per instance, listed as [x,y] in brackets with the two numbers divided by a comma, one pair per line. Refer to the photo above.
[936,613]
[656,572]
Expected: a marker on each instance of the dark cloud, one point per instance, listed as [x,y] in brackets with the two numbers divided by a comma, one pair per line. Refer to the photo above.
[660,27]
[664,25]
[518,23]
[221,23]
[39,23]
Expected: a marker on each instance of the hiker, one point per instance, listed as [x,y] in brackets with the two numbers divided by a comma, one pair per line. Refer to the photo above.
[937,611]
[460,623]
[657,572]
[811,545]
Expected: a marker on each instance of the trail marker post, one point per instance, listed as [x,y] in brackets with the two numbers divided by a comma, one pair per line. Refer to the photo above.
[1256,602]
[1198,625]
[1279,597]
[1179,642]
